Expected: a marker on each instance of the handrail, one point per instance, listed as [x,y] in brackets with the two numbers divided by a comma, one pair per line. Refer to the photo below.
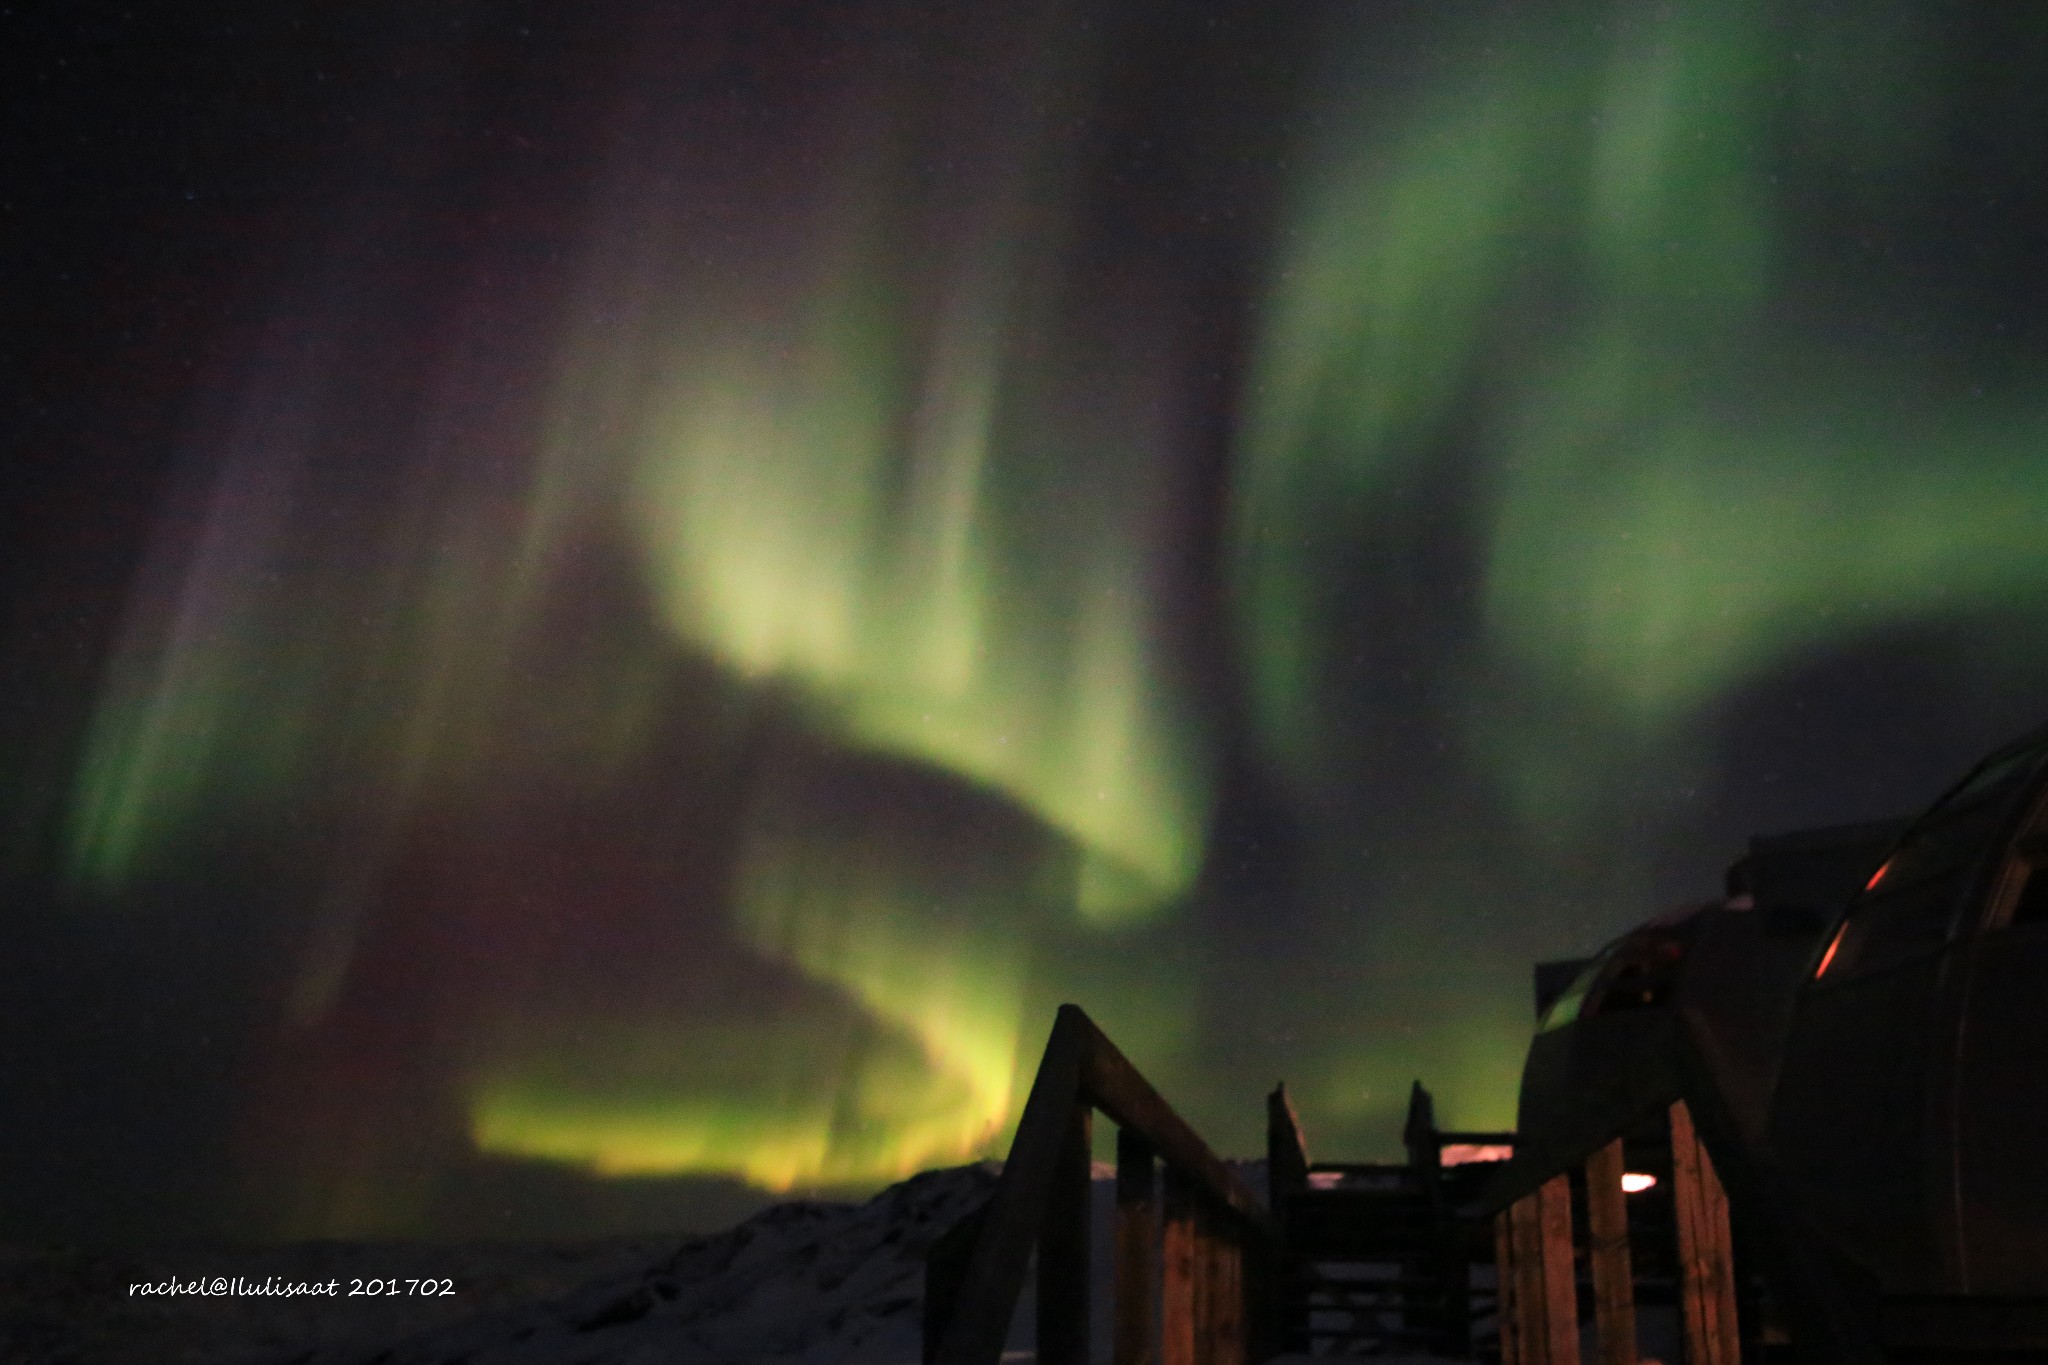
[1829,1303]
[1219,1237]
[1114,1086]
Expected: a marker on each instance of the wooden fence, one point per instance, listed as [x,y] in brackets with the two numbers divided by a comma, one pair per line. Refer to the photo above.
[1197,1255]
[1535,1253]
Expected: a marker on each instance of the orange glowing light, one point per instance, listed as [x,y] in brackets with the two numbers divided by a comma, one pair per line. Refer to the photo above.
[1465,1153]
[1635,1182]
[1878,875]
[1834,946]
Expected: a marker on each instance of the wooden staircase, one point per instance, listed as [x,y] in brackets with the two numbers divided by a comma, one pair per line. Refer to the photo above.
[1380,1261]
[1466,1259]
[1341,1258]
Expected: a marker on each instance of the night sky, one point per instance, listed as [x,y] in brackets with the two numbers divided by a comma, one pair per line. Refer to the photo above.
[606,605]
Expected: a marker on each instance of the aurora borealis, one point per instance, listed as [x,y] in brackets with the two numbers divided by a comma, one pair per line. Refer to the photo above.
[626,601]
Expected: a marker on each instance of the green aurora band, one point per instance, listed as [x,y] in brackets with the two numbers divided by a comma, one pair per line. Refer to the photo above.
[858,489]
[1706,445]
[853,491]
[1681,489]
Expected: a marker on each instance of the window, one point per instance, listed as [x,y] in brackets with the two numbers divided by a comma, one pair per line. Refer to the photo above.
[1637,972]
[1909,906]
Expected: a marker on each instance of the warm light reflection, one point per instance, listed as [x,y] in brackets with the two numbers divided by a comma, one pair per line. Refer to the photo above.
[1827,958]
[1635,1182]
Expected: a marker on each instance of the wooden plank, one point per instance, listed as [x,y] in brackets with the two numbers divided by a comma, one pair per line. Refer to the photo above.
[1254,1274]
[1546,1309]
[1614,1297]
[1178,1284]
[1137,1243]
[1063,1248]
[1560,1282]
[1504,1287]
[1226,1295]
[995,1271]
[1240,1334]
[1218,1288]
[1114,1086]
[1706,1263]
[1532,1335]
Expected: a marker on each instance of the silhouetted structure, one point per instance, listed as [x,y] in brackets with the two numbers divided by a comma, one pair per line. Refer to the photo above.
[1828,1087]
[1850,1040]
[1378,1257]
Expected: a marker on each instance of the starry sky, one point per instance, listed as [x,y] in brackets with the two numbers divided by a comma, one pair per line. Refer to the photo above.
[606,606]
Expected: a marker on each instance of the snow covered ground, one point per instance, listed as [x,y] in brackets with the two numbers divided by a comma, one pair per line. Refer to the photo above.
[806,1282]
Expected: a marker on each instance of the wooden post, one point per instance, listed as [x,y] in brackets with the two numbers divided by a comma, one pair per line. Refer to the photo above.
[1426,1298]
[988,1288]
[1560,1280]
[1504,1304]
[1706,1267]
[1286,1151]
[1614,1299]
[1224,1290]
[1063,1248]
[1137,1242]
[1546,1291]
[1236,1334]
[1043,1197]
[1526,1230]
[1177,1288]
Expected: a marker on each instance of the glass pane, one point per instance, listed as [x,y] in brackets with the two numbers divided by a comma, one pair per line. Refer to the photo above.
[1894,924]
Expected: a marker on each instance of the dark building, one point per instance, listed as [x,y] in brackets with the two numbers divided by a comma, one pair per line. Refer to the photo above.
[1861,1027]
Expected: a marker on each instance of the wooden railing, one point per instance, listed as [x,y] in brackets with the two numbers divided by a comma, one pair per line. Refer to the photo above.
[1829,1305]
[1535,1241]
[1180,1212]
